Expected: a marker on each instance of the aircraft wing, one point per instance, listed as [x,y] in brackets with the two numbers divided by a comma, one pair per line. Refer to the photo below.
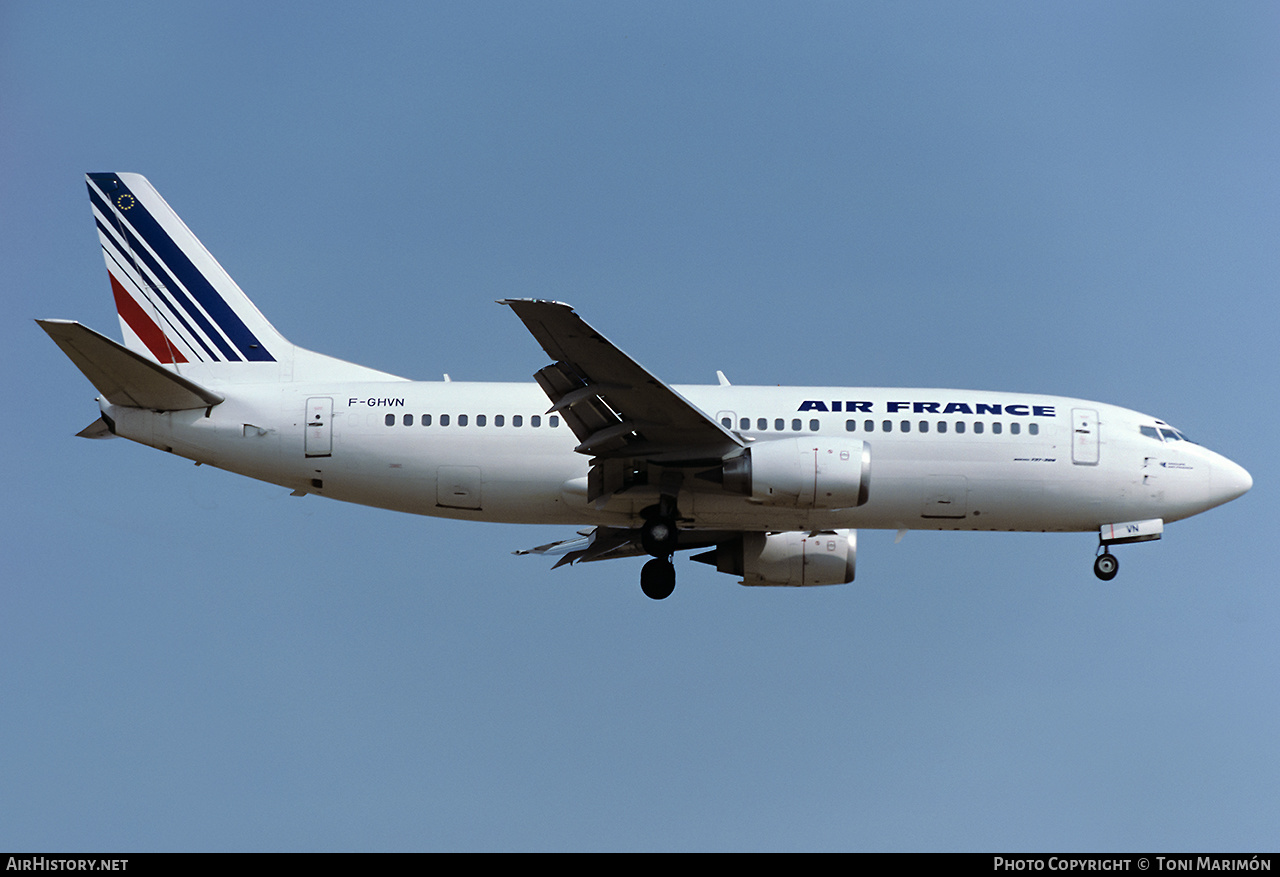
[615,407]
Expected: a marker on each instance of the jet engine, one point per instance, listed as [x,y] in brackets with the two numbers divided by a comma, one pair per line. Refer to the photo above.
[803,472]
[794,559]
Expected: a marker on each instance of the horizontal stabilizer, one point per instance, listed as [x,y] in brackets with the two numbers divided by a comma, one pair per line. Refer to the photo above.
[124,377]
[99,429]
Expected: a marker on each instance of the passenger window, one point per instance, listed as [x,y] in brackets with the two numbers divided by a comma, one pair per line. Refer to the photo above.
[997,427]
[444,419]
[1015,428]
[553,421]
[813,426]
[762,424]
[942,426]
[408,420]
[499,420]
[977,427]
[744,423]
[726,422]
[869,426]
[425,420]
[535,420]
[959,426]
[480,420]
[1034,429]
[924,426]
[462,420]
[906,426]
[779,424]
[517,420]
[795,424]
[389,420]
[887,426]
[851,426]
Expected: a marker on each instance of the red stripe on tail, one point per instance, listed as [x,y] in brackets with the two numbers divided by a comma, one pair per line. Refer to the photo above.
[142,325]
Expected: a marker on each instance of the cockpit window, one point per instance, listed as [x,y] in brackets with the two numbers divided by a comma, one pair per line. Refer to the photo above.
[1164,432]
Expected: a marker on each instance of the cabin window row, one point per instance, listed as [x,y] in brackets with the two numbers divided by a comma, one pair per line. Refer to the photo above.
[762,424]
[941,426]
[499,420]
[851,425]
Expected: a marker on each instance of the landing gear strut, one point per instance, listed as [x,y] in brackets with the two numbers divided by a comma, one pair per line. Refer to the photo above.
[1106,566]
[659,537]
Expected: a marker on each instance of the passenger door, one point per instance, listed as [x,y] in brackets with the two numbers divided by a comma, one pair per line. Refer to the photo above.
[1084,436]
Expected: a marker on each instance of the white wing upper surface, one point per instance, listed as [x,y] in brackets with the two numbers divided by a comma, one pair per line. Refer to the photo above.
[616,407]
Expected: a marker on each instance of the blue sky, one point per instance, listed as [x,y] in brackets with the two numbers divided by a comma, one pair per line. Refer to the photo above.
[1068,198]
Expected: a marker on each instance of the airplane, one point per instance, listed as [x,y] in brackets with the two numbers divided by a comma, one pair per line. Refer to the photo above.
[770,484]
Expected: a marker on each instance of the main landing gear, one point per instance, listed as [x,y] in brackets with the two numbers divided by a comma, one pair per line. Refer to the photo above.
[658,578]
[1105,566]
[658,537]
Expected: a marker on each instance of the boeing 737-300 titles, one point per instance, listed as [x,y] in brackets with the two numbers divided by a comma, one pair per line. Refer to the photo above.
[769,484]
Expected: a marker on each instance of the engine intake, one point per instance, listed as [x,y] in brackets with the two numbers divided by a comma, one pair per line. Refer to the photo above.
[803,472]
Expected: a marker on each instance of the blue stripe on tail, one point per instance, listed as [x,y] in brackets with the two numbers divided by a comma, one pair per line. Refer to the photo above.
[175,265]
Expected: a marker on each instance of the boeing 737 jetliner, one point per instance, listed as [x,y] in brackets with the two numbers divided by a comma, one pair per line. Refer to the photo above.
[769,483]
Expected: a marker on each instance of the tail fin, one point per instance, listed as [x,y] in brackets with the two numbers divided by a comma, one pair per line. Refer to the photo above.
[176,303]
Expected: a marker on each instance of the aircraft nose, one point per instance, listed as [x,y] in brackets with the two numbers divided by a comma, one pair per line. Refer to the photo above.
[1230,480]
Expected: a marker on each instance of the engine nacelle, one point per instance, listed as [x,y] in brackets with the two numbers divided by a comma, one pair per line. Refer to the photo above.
[803,472]
[794,559]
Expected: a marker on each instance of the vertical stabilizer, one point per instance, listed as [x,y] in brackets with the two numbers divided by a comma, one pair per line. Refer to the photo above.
[176,303]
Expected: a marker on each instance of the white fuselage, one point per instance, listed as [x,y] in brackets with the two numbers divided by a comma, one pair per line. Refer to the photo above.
[940,459]
[773,481]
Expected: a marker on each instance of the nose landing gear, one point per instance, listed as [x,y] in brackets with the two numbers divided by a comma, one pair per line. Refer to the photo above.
[1105,566]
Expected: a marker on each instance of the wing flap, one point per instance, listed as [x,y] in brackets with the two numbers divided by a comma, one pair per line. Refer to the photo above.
[124,377]
[598,543]
[609,543]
